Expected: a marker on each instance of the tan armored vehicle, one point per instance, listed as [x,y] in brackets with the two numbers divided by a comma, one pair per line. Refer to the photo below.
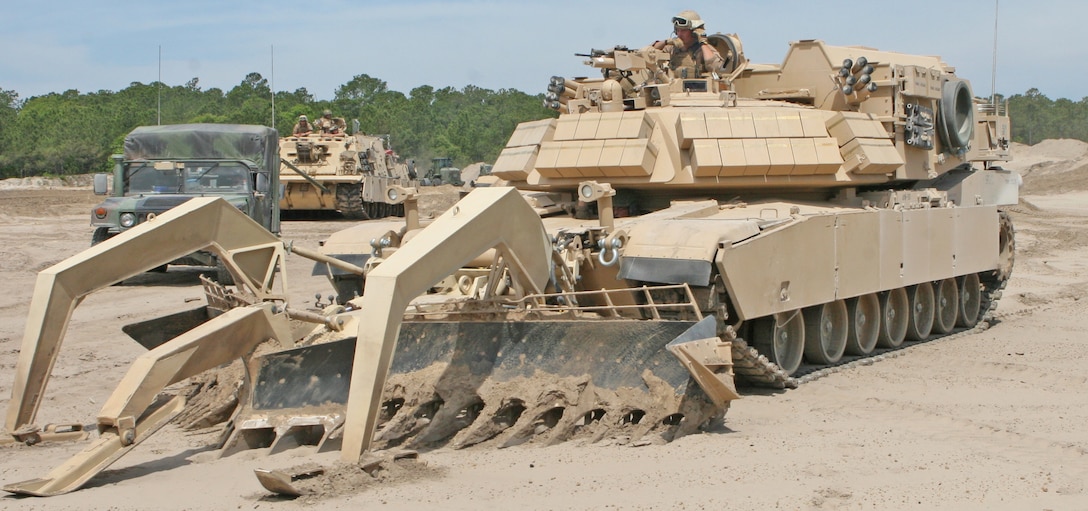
[341,172]
[663,240]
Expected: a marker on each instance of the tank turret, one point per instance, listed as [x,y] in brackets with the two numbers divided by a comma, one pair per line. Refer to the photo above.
[827,117]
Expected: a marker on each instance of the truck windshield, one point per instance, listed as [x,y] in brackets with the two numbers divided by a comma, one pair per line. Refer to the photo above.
[192,177]
[227,177]
[144,178]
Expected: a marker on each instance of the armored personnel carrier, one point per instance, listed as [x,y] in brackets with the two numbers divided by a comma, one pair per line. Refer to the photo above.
[663,240]
[341,172]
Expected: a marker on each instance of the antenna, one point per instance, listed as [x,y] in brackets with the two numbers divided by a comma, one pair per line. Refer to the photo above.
[993,73]
[158,111]
[272,85]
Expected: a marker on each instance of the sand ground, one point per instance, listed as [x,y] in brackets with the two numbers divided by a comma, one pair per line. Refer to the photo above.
[993,420]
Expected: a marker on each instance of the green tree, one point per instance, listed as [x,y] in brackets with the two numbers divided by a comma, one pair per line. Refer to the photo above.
[73,132]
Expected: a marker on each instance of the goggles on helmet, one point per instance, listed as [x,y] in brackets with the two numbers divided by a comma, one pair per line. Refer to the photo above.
[679,22]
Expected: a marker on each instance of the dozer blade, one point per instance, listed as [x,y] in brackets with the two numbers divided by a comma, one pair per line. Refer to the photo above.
[75,472]
[463,383]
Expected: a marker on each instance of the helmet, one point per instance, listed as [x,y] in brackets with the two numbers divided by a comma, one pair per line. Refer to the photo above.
[326,113]
[302,118]
[687,19]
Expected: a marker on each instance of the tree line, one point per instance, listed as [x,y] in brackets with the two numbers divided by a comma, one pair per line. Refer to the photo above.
[1036,117]
[75,133]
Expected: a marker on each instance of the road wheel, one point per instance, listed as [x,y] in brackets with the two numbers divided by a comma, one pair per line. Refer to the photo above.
[948,302]
[970,294]
[894,313]
[922,309]
[781,338]
[826,326]
[863,314]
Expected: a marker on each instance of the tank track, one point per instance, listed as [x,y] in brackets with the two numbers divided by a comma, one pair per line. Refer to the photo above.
[349,201]
[382,210]
[756,370]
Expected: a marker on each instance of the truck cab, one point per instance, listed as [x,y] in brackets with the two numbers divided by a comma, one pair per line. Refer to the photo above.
[164,166]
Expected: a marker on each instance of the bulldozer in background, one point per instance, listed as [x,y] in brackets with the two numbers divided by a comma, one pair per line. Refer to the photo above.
[442,172]
[632,262]
[342,172]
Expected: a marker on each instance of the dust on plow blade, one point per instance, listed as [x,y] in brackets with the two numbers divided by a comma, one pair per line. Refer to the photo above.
[506,383]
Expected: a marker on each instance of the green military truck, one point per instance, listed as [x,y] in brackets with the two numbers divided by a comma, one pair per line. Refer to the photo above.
[163,166]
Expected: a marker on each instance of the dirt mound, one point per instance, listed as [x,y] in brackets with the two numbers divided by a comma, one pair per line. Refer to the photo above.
[1045,153]
[79,181]
[1051,166]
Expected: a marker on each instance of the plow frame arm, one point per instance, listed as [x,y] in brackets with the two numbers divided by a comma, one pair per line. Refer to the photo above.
[253,254]
[130,414]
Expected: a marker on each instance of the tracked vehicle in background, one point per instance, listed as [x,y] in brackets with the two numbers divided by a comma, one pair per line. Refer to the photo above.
[341,172]
[632,261]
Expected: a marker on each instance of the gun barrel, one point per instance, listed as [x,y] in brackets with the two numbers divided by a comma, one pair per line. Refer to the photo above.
[604,62]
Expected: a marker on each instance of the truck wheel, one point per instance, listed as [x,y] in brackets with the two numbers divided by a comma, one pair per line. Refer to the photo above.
[100,234]
[222,275]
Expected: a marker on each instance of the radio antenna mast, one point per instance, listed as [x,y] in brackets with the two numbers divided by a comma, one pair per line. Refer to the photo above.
[272,85]
[158,111]
[993,73]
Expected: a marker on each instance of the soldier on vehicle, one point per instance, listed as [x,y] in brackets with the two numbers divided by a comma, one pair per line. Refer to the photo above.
[691,55]
[302,127]
[329,124]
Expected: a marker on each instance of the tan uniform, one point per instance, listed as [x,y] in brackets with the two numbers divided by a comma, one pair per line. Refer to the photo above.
[302,127]
[331,125]
[325,125]
[690,62]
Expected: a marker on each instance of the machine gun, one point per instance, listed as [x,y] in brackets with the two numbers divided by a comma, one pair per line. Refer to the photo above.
[624,71]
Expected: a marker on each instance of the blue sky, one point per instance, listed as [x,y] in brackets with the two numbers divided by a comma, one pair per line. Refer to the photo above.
[93,45]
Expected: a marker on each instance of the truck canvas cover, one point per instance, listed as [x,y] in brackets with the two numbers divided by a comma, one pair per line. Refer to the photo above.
[197,141]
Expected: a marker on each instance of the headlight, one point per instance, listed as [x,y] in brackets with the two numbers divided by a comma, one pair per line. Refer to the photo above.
[586,191]
[128,220]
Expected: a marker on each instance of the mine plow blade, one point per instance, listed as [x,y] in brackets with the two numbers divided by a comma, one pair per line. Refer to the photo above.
[254,255]
[506,383]
[135,410]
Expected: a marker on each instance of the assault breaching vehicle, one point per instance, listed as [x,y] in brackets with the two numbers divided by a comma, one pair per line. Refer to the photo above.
[663,240]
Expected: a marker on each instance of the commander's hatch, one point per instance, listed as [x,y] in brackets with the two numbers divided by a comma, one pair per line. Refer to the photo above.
[730,48]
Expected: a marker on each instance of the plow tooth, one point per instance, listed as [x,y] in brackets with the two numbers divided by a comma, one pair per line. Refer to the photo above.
[494,419]
[406,424]
[574,421]
[300,431]
[452,417]
[537,421]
